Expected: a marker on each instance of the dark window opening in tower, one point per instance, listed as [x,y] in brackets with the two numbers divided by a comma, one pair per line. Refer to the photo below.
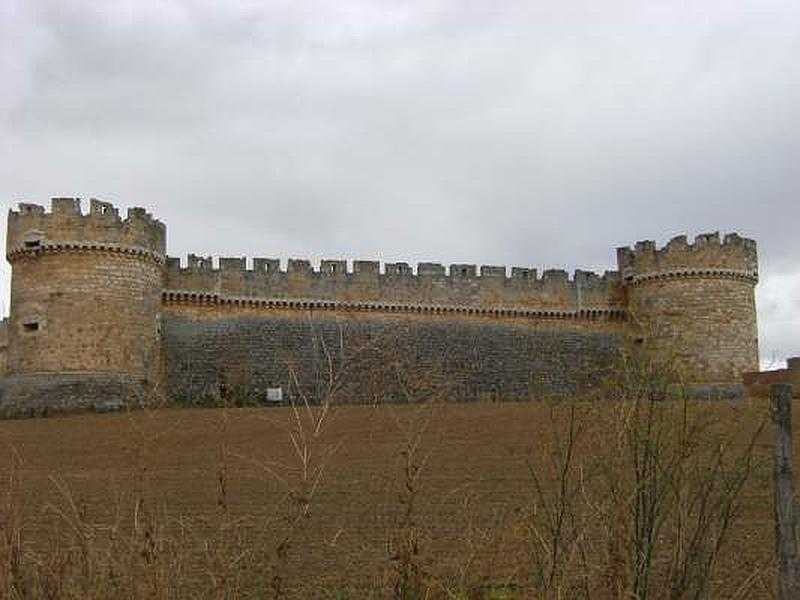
[31,326]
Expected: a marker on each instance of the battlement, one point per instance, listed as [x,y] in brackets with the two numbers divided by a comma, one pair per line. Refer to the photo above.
[708,255]
[458,284]
[32,227]
[340,267]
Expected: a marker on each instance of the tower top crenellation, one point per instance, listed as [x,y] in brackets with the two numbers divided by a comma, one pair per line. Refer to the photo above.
[708,251]
[65,222]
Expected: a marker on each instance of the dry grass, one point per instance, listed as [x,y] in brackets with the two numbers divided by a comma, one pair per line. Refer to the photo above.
[395,501]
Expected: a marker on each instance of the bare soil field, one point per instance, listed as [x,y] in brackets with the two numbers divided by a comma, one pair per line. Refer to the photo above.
[361,501]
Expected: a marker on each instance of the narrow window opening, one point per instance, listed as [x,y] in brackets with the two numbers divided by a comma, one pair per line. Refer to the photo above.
[33,243]
[31,326]
[463,271]
[638,341]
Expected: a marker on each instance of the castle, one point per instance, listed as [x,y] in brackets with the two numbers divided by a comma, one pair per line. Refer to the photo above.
[101,316]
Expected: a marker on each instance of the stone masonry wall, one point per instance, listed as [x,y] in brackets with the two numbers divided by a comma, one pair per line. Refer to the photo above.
[367,357]
[92,312]
[41,394]
[460,285]
[718,343]
[85,297]
[695,304]
[3,347]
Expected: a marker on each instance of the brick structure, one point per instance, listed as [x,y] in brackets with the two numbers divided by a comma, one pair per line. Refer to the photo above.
[100,317]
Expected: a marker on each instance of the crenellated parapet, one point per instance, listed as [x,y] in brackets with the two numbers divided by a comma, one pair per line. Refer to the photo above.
[459,285]
[694,304]
[732,257]
[65,228]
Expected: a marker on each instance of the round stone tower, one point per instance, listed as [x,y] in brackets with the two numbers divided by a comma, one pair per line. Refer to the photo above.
[694,304]
[85,301]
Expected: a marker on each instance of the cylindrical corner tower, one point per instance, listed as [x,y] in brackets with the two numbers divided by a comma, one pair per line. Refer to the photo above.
[695,304]
[85,300]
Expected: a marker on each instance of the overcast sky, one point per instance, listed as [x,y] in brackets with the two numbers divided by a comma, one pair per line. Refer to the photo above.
[541,133]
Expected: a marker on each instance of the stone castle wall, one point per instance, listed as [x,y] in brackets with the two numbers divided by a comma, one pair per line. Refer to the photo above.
[94,312]
[3,347]
[694,304]
[463,331]
[376,354]
[430,284]
[85,296]
[101,317]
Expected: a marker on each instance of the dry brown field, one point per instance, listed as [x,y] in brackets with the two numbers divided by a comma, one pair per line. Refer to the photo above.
[233,502]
